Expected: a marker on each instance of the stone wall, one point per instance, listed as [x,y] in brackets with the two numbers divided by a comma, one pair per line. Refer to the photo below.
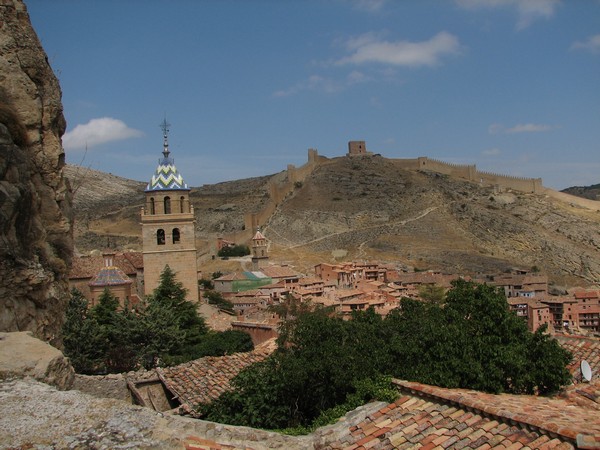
[35,199]
[470,173]
[279,190]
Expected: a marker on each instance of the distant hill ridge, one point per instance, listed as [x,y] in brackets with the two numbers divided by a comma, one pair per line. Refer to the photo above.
[372,207]
[590,192]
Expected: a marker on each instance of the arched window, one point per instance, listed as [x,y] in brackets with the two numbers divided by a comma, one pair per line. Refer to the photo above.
[176,236]
[152,208]
[160,237]
[181,200]
[167,205]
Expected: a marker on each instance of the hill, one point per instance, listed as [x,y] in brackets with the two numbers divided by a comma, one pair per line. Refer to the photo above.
[370,208]
[591,192]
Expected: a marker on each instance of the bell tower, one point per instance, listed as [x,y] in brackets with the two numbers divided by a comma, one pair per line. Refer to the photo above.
[260,256]
[168,231]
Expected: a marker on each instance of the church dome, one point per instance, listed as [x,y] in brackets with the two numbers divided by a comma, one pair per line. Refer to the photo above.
[166,177]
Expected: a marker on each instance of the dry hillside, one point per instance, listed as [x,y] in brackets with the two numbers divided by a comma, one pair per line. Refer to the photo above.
[369,208]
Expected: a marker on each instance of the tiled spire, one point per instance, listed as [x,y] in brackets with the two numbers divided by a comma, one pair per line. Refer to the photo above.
[166,177]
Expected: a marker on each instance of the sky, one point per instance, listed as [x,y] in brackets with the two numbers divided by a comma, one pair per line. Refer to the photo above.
[248,86]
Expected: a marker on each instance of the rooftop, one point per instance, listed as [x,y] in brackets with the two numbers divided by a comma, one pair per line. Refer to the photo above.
[429,417]
[204,380]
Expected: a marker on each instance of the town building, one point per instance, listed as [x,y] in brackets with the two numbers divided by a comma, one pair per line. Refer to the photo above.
[85,269]
[114,280]
[168,232]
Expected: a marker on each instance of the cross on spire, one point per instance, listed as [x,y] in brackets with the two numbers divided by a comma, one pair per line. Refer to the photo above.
[165,128]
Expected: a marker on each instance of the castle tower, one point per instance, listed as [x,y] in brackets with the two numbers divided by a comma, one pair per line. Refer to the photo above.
[260,256]
[168,232]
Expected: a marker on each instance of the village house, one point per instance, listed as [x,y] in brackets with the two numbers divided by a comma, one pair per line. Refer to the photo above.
[345,275]
[85,269]
[521,285]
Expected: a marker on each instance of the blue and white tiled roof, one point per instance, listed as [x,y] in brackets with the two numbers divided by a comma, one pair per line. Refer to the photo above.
[166,177]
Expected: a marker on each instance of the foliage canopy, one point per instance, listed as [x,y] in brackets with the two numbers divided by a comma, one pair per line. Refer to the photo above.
[471,340]
[165,329]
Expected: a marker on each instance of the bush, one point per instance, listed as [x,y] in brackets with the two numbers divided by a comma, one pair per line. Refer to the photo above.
[235,250]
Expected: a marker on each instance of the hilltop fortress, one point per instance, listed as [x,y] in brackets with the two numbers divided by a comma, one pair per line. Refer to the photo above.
[281,187]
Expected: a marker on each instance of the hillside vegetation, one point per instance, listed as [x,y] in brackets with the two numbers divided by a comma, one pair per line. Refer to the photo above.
[369,208]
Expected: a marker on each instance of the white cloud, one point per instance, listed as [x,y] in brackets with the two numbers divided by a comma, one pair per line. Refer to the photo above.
[528,128]
[592,44]
[527,10]
[369,48]
[496,128]
[491,152]
[98,131]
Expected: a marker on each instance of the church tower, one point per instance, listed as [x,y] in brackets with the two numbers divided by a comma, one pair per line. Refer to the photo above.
[260,257]
[168,227]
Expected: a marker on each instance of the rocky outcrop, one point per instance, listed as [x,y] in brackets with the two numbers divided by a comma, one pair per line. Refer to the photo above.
[22,355]
[35,202]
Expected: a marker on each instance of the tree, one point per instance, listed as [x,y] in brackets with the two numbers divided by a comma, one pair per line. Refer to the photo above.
[82,339]
[234,250]
[217,299]
[432,293]
[173,324]
[472,340]
[219,343]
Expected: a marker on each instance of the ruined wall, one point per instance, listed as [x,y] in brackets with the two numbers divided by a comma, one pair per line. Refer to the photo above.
[35,200]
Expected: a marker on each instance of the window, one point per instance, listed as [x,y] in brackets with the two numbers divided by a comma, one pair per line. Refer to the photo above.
[181,200]
[176,235]
[167,205]
[152,208]
[160,237]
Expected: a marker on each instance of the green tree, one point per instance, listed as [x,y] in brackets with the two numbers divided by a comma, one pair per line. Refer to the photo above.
[173,324]
[235,250]
[217,299]
[472,340]
[219,343]
[82,338]
[432,293]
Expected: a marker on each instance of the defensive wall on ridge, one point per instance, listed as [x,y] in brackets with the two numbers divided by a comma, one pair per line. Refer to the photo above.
[470,173]
[279,190]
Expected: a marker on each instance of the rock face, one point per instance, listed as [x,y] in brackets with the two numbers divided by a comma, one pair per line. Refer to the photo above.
[35,202]
[22,355]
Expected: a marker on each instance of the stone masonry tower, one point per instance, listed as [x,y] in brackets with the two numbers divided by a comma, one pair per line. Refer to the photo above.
[168,227]
[260,257]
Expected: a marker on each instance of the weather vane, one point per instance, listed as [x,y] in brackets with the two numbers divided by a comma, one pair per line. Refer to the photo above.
[165,127]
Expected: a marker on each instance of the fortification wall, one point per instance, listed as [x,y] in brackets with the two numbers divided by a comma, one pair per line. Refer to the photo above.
[470,173]
[278,191]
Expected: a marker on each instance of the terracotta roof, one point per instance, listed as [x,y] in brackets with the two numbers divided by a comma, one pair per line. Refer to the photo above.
[429,417]
[232,277]
[582,348]
[204,380]
[586,294]
[341,294]
[89,266]
[279,272]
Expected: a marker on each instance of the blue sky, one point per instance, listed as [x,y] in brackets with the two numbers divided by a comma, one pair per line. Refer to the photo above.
[248,86]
